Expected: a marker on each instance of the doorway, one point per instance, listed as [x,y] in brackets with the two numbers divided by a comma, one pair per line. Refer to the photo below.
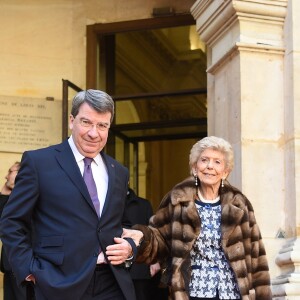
[155,69]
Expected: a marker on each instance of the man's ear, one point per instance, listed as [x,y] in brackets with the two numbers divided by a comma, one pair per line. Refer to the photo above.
[71,121]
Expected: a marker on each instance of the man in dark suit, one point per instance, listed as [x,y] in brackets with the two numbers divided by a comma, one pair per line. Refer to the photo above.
[11,291]
[146,278]
[60,235]
[139,211]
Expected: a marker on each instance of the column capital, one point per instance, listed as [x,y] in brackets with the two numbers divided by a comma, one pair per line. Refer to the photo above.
[213,14]
[228,22]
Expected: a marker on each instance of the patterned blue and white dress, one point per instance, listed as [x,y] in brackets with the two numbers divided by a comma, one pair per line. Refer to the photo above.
[211,272]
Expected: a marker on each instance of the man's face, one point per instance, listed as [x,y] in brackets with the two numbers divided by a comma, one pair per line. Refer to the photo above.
[88,130]
[11,176]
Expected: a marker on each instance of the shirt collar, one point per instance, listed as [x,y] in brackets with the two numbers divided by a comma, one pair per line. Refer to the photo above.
[78,156]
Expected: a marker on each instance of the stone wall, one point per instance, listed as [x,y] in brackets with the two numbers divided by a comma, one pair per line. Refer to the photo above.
[43,42]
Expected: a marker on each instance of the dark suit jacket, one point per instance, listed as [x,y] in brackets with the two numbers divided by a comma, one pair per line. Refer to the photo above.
[139,211]
[50,199]
[4,264]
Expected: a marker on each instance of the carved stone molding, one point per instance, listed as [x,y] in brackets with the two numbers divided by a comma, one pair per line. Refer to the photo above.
[288,283]
[211,15]
[222,24]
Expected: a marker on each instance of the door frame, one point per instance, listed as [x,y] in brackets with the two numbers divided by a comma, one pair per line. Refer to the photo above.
[104,34]
[95,31]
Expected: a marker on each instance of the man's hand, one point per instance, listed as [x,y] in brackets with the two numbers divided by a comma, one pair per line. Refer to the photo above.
[119,252]
[30,278]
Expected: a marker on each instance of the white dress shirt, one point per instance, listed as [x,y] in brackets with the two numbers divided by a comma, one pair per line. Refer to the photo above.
[99,172]
[101,179]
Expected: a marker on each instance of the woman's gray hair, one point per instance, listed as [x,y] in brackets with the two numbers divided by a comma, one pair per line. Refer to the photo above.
[215,143]
[98,100]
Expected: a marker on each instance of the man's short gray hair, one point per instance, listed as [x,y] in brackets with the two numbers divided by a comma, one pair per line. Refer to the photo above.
[98,100]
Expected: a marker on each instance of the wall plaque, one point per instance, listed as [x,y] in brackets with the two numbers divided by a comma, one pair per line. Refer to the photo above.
[29,123]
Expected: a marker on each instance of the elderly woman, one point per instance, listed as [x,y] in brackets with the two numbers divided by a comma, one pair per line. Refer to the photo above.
[206,234]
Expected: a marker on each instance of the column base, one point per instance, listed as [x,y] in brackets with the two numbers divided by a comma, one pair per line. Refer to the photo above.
[287,285]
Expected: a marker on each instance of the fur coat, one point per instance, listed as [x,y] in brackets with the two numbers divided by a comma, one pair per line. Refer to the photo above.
[176,225]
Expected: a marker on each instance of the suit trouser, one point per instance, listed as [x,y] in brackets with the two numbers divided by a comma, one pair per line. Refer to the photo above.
[30,291]
[11,291]
[148,289]
[103,286]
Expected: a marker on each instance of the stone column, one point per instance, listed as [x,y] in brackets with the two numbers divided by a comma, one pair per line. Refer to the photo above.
[252,102]
[287,285]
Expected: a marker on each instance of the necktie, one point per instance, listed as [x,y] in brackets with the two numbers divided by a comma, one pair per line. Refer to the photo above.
[90,183]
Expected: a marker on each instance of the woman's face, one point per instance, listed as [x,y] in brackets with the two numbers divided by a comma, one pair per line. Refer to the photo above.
[211,168]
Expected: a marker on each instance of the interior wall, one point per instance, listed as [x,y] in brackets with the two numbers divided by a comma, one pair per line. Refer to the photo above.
[174,155]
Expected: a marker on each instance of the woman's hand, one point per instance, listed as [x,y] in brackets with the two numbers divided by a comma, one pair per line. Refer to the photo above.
[136,235]
[154,269]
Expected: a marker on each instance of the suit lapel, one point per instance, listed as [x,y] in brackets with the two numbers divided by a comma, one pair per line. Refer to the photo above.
[111,180]
[66,160]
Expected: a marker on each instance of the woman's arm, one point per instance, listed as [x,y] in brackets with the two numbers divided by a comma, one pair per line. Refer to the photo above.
[153,240]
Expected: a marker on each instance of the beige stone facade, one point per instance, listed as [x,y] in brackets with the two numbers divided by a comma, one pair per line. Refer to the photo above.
[253,60]
[253,70]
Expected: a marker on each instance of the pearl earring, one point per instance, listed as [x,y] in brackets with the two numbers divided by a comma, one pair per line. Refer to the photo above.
[222,183]
[196,179]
